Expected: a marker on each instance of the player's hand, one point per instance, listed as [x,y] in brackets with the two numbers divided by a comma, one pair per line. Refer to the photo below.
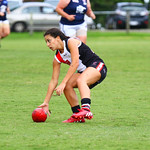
[92,15]
[1,14]
[45,106]
[60,89]
[71,17]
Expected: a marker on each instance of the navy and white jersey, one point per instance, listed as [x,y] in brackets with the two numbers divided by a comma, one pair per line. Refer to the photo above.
[75,7]
[3,8]
[86,56]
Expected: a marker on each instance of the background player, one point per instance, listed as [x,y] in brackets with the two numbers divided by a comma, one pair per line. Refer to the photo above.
[4,23]
[72,22]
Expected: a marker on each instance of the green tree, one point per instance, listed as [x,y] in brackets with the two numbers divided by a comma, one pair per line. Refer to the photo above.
[103,5]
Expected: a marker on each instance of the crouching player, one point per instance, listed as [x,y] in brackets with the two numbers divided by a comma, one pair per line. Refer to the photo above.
[91,71]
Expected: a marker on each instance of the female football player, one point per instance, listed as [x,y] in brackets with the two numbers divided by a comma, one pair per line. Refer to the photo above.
[90,68]
[4,23]
[72,21]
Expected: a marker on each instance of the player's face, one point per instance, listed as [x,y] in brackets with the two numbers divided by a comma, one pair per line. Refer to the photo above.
[51,42]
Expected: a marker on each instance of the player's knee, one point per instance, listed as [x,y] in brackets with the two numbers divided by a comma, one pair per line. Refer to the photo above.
[6,34]
[68,86]
[80,81]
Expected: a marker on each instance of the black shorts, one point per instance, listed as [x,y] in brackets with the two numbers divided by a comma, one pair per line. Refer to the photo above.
[100,66]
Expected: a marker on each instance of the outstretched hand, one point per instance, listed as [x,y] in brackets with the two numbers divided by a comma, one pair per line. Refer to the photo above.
[45,106]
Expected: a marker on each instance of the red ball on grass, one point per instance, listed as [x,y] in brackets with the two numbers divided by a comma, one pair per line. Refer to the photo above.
[39,115]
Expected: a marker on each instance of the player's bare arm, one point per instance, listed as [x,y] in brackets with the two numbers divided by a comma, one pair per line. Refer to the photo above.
[61,5]
[89,10]
[54,80]
[73,46]
[53,83]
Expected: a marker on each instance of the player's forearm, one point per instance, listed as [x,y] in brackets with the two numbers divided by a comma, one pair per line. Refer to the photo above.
[51,87]
[89,10]
[72,69]
[61,12]
[90,14]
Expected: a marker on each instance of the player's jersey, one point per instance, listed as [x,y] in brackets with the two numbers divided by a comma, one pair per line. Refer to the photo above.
[86,56]
[3,8]
[75,7]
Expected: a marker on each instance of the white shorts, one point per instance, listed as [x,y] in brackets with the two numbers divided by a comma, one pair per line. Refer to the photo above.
[74,30]
[4,22]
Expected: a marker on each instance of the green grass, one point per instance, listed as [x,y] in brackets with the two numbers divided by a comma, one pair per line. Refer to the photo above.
[121,104]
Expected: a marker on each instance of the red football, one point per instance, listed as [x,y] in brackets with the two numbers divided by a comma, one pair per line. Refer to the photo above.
[39,115]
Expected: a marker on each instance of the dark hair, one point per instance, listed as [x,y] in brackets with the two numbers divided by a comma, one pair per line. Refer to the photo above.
[54,32]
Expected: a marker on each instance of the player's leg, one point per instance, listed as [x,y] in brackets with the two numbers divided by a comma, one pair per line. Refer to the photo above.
[0,32]
[1,24]
[72,99]
[69,91]
[5,29]
[81,32]
[82,36]
[88,77]
[91,76]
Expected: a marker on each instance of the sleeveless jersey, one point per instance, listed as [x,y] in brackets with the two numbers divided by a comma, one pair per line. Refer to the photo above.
[3,8]
[86,56]
[75,7]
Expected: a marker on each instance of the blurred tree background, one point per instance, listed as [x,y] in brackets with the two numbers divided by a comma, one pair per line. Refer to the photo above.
[103,5]
[99,5]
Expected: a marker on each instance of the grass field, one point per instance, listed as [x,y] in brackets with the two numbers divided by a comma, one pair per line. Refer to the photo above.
[121,104]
